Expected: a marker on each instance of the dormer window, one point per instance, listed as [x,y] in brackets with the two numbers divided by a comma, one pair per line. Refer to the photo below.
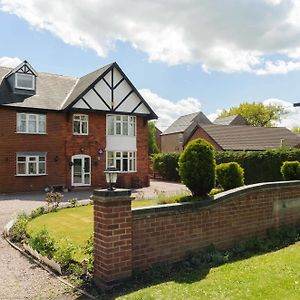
[24,81]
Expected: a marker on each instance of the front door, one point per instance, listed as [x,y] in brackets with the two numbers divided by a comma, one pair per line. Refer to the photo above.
[81,170]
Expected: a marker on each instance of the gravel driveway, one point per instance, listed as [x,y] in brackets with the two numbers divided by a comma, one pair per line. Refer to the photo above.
[19,277]
[22,279]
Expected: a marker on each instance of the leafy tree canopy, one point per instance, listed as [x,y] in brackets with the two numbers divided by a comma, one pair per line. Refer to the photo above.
[296,129]
[152,147]
[256,113]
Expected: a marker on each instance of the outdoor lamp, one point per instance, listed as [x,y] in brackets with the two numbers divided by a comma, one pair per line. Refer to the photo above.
[111,174]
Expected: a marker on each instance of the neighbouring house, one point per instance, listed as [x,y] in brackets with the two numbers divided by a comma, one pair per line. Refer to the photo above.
[228,137]
[65,131]
[231,120]
[174,137]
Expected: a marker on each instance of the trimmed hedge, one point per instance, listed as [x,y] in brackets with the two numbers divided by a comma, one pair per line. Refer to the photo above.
[166,165]
[230,175]
[259,166]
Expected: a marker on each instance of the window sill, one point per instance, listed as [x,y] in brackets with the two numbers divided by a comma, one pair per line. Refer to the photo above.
[30,175]
[80,134]
[35,133]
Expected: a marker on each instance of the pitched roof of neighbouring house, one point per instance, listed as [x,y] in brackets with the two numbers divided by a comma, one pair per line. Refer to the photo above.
[184,122]
[231,120]
[57,92]
[250,137]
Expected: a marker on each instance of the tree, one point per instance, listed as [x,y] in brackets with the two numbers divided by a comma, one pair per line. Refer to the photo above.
[296,129]
[152,147]
[256,113]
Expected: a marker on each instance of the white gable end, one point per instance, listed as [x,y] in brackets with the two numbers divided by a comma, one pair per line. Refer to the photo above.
[113,93]
[81,104]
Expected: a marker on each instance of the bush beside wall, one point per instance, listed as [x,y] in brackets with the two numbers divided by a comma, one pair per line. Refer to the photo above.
[259,166]
[166,165]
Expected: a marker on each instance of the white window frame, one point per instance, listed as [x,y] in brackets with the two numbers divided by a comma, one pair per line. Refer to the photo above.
[31,159]
[37,123]
[121,119]
[32,88]
[81,122]
[131,156]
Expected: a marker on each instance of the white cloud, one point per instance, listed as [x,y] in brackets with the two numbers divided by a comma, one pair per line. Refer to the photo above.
[167,110]
[10,62]
[235,36]
[292,118]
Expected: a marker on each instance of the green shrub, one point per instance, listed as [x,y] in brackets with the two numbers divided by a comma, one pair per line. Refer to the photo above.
[230,175]
[197,167]
[166,165]
[290,170]
[64,254]
[37,212]
[18,231]
[259,166]
[89,252]
[73,202]
[43,243]
[53,200]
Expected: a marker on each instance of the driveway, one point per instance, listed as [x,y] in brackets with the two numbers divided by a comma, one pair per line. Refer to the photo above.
[22,279]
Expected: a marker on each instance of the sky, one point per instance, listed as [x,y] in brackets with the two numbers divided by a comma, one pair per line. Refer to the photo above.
[183,56]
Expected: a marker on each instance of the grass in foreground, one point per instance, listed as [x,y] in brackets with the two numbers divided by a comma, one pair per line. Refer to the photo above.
[274,275]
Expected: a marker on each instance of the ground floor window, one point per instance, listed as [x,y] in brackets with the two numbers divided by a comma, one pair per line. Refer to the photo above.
[31,164]
[124,161]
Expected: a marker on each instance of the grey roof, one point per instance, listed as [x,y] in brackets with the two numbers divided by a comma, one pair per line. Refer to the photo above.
[231,120]
[251,138]
[83,84]
[57,92]
[51,92]
[187,121]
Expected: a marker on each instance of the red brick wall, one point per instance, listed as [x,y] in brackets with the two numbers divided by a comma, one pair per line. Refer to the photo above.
[200,133]
[60,145]
[166,234]
[11,142]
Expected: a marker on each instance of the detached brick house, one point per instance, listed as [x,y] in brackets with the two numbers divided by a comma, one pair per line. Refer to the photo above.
[64,131]
[225,134]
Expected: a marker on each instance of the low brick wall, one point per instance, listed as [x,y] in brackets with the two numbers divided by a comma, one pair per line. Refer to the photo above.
[128,239]
[166,233]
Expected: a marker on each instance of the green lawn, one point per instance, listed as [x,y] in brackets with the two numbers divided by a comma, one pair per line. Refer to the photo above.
[275,275]
[73,225]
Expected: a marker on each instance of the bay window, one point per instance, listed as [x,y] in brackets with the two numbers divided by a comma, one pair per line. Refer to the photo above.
[124,161]
[121,125]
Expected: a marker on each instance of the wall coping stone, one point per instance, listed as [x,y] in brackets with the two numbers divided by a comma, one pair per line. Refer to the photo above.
[212,201]
[105,195]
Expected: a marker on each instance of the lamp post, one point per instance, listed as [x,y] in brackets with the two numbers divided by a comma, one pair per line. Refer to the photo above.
[111,175]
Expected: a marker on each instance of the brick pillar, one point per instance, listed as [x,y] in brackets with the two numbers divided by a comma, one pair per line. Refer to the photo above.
[112,237]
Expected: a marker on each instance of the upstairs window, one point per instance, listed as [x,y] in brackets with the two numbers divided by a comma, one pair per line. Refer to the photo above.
[31,123]
[31,164]
[25,81]
[80,124]
[121,125]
